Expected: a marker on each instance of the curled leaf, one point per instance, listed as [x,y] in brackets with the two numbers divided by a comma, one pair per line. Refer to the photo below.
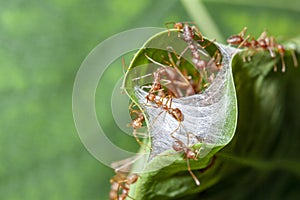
[210,117]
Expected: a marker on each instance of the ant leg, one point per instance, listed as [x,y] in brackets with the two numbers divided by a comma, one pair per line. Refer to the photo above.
[281,52]
[154,120]
[272,53]
[169,48]
[124,186]
[140,77]
[168,71]
[155,62]
[136,112]
[192,90]
[132,110]
[124,66]
[139,141]
[146,87]
[262,36]
[294,57]
[174,131]
[199,140]
[167,26]
[191,173]
[144,135]
[197,31]
[208,44]
[282,63]
[243,32]
[215,61]
[177,64]
[275,68]
[244,58]
[181,55]
[244,41]
[249,58]
[130,106]
[124,166]
[187,139]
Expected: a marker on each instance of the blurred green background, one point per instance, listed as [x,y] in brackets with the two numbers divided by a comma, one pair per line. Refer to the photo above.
[42,47]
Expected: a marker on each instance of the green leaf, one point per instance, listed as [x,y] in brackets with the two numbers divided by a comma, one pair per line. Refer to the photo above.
[264,149]
[262,161]
[165,175]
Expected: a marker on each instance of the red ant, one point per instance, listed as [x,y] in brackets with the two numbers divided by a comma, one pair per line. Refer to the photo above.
[179,146]
[204,78]
[185,27]
[180,80]
[263,42]
[161,102]
[269,43]
[137,123]
[239,39]
[177,83]
[165,103]
[120,185]
[188,35]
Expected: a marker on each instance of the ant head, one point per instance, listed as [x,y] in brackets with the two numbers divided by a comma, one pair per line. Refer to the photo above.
[150,97]
[178,25]
[156,86]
